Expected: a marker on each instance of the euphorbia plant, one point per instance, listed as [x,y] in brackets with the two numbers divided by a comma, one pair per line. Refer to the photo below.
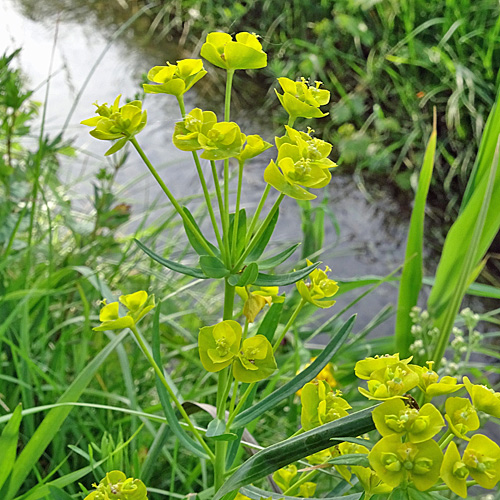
[240,350]
[236,353]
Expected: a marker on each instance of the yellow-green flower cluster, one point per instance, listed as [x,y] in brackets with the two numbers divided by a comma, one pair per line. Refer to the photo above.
[220,345]
[138,305]
[116,486]
[302,162]
[407,452]
[430,383]
[175,79]
[117,122]
[245,52]
[319,289]
[320,405]
[480,460]
[416,425]
[301,99]
[395,461]
[219,140]
[387,377]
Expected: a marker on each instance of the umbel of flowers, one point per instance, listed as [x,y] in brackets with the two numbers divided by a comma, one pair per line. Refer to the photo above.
[407,452]
[229,350]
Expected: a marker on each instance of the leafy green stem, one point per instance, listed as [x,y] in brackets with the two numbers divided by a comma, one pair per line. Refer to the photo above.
[171,197]
[227,114]
[260,232]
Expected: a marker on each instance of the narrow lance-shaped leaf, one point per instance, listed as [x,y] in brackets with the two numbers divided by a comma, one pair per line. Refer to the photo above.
[173,266]
[277,259]
[459,240]
[284,279]
[213,267]
[485,154]
[261,245]
[278,455]
[411,277]
[485,217]
[197,247]
[299,380]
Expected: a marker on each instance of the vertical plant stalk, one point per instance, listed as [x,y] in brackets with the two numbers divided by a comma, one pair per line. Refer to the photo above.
[237,210]
[227,114]
[221,446]
[224,212]
[171,197]
[289,324]
[172,394]
[206,194]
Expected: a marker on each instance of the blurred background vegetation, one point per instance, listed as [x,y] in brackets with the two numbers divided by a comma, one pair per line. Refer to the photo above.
[387,63]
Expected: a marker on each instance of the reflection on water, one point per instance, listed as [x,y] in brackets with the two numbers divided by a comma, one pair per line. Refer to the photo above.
[372,234]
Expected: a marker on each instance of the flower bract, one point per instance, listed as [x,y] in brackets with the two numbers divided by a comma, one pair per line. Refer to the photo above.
[395,417]
[320,405]
[255,360]
[256,298]
[390,382]
[117,122]
[301,99]
[483,398]
[218,344]
[116,486]
[454,472]
[365,367]
[186,132]
[319,289]
[138,305]
[175,79]
[301,163]
[461,417]
[395,461]
[245,52]
[482,458]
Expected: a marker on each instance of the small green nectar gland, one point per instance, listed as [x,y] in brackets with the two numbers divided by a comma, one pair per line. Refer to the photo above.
[391,462]
[460,470]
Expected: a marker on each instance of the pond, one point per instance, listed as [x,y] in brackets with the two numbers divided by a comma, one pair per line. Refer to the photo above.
[372,232]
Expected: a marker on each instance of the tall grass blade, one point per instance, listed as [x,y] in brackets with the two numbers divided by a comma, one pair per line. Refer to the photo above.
[257,493]
[52,422]
[8,444]
[485,154]
[465,246]
[411,277]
